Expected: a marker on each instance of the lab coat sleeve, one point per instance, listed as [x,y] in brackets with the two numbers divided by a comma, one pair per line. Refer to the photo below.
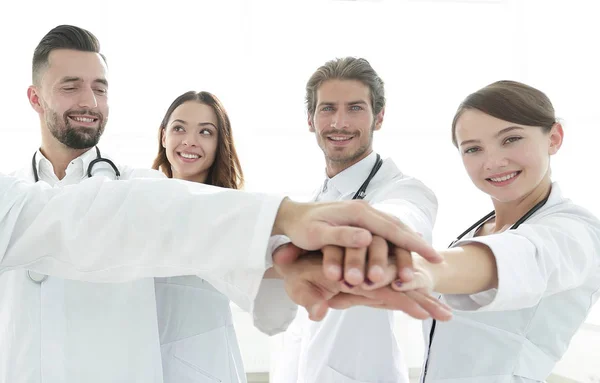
[273,309]
[555,253]
[410,201]
[116,231]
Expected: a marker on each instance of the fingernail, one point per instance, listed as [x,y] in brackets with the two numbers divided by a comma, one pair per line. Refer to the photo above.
[446,312]
[354,273]
[377,271]
[368,282]
[313,310]
[334,270]
[398,283]
[348,284]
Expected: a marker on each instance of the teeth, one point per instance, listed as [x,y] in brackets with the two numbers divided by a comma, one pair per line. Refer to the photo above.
[340,138]
[189,156]
[83,119]
[507,177]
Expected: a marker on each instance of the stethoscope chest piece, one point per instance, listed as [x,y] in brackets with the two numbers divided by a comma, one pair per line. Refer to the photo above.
[36,277]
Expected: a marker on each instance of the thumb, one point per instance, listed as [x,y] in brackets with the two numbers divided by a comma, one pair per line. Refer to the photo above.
[313,299]
[318,311]
[287,254]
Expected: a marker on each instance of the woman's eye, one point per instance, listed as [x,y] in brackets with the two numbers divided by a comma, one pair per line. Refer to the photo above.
[512,139]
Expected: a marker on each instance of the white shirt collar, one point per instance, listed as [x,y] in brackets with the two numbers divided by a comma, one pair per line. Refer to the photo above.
[76,168]
[349,180]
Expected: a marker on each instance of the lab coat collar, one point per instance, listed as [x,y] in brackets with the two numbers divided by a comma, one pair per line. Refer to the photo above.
[555,198]
[556,195]
[349,180]
[79,164]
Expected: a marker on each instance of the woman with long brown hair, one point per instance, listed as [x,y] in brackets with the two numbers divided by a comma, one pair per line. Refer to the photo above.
[196,144]
[197,337]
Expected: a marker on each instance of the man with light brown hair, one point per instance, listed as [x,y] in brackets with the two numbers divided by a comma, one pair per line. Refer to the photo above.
[345,102]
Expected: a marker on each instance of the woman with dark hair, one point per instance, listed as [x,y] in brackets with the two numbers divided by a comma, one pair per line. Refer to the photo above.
[523,278]
[197,337]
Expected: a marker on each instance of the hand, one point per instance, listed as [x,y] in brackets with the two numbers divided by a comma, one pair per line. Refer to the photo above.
[417,303]
[316,293]
[304,280]
[348,264]
[417,274]
[347,224]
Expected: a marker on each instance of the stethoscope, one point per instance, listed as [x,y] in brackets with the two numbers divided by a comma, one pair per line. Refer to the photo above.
[90,168]
[361,193]
[39,278]
[476,226]
[491,214]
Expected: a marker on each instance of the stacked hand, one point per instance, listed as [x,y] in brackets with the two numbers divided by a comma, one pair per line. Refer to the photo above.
[345,254]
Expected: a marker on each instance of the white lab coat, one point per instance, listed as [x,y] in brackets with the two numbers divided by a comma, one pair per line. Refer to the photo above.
[69,330]
[549,278]
[357,344]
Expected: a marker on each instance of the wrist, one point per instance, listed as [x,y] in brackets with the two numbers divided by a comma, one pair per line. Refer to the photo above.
[285,211]
[435,272]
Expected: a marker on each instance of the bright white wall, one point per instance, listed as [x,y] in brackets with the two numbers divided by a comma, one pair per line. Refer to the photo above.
[257,55]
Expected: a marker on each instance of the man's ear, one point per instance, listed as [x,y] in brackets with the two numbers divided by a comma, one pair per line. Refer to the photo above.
[311,123]
[34,99]
[379,119]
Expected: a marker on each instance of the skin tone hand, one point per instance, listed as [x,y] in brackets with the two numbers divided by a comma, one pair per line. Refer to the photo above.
[351,225]
[466,269]
[304,281]
[308,287]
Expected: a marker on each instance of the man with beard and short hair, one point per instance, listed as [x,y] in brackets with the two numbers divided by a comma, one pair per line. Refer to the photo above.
[60,330]
[345,103]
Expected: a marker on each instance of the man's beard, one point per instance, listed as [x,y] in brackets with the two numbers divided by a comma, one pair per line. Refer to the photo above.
[349,157]
[74,137]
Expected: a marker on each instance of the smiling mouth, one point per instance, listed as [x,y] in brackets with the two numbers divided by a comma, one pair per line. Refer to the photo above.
[84,120]
[339,138]
[189,156]
[504,178]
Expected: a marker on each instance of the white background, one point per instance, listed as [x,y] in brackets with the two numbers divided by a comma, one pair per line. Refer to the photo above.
[257,55]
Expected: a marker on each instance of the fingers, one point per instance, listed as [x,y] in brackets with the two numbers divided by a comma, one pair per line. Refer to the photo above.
[287,254]
[333,259]
[310,297]
[343,236]
[418,304]
[354,265]
[435,307]
[404,264]
[318,311]
[344,300]
[378,260]
[390,274]
[393,230]
[393,300]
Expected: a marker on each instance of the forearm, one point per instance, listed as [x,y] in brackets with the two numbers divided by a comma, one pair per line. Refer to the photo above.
[118,231]
[466,269]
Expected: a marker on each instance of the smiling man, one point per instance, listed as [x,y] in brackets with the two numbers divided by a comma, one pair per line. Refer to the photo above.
[345,105]
[57,329]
